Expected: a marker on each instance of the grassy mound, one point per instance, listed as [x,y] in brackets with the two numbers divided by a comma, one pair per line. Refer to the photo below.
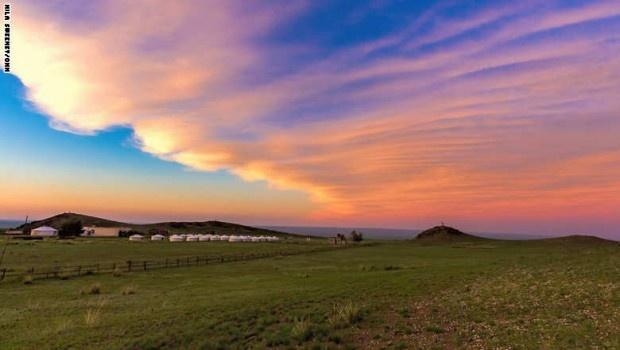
[447,234]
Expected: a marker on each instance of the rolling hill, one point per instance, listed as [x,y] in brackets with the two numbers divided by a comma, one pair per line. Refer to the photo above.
[579,239]
[215,227]
[446,234]
[450,234]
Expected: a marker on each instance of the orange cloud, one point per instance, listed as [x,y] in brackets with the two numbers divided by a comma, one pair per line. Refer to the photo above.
[470,128]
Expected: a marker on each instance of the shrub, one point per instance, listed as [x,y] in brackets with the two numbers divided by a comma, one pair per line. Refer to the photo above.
[92,317]
[302,330]
[28,279]
[356,236]
[118,272]
[435,329]
[129,290]
[93,289]
[71,228]
[335,338]
[93,314]
[281,337]
[344,315]
[62,325]
[125,234]
[401,346]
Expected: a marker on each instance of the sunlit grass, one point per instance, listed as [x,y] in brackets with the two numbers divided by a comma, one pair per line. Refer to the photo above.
[395,295]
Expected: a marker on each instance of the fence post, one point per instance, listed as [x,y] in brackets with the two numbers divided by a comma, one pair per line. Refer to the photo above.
[79,270]
[144,263]
[97,268]
[3,273]
[128,265]
[178,262]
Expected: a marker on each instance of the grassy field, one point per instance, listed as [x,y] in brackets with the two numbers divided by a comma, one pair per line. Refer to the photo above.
[21,255]
[394,295]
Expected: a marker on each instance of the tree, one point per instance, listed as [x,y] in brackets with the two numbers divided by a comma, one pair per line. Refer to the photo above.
[356,236]
[71,228]
[131,232]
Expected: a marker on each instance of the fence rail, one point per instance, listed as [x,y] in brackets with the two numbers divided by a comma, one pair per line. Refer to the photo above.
[64,272]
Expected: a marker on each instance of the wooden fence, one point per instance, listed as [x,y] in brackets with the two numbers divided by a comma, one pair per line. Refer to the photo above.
[64,272]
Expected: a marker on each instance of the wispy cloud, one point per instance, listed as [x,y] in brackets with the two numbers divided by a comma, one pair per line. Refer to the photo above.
[505,109]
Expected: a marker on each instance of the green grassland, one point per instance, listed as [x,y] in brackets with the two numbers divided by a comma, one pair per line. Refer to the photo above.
[22,255]
[553,294]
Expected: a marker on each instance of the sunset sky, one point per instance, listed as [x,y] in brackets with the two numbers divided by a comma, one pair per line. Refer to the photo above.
[490,116]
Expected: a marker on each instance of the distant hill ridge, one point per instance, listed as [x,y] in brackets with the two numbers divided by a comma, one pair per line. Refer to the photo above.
[437,233]
[579,239]
[450,234]
[213,226]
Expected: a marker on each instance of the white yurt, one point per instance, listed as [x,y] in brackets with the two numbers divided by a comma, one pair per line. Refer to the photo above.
[215,238]
[158,237]
[246,238]
[204,238]
[235,239]
[192,238]
[255,239]
[136,237]
[224,238]
[44,231]
[176,238]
